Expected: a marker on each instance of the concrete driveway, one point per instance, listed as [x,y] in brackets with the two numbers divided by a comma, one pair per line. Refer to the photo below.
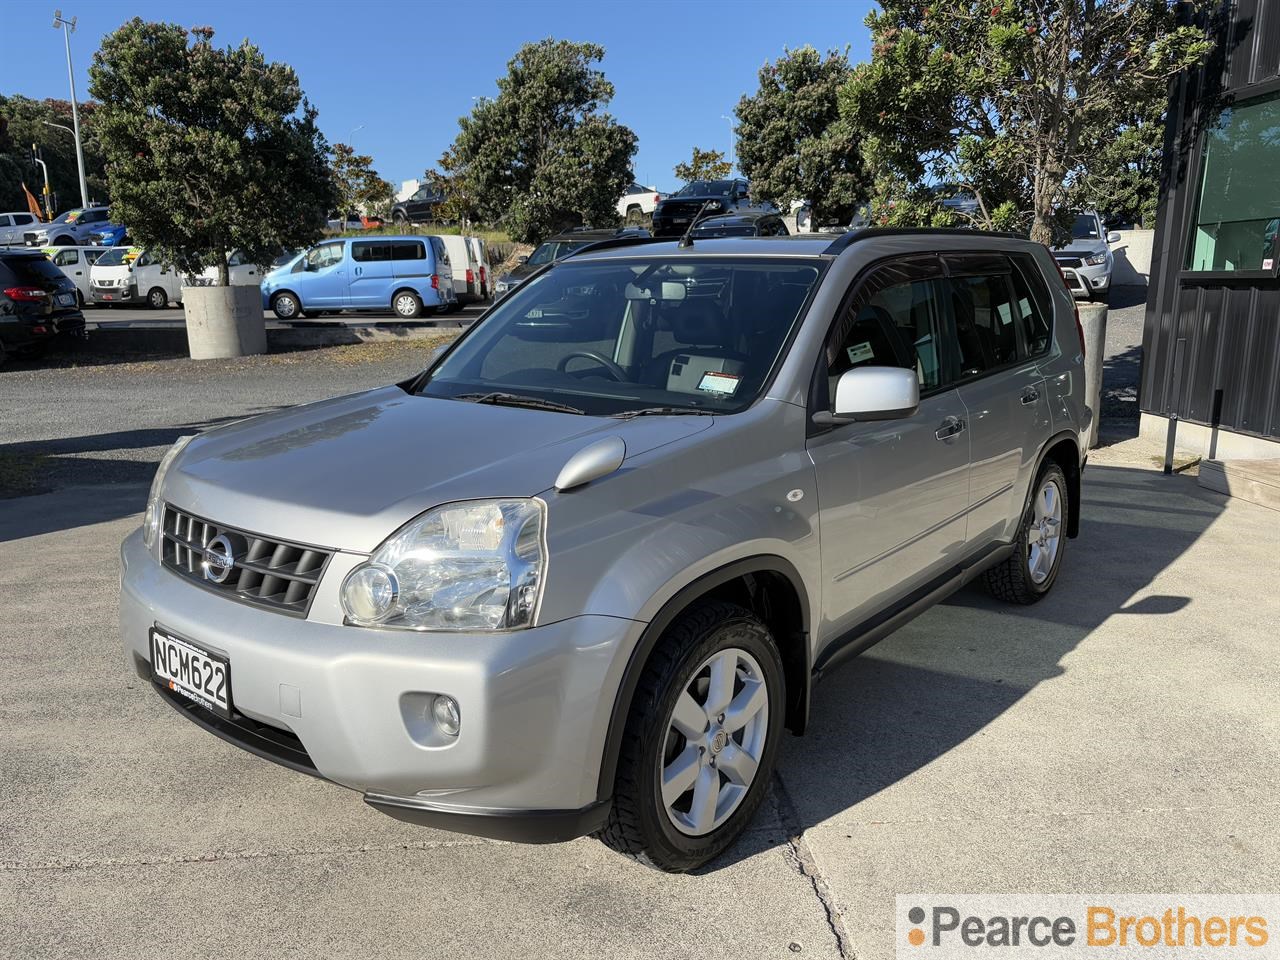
[1121,736]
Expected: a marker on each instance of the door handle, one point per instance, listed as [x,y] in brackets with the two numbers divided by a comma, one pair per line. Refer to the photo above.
[1030,395]
[950,427]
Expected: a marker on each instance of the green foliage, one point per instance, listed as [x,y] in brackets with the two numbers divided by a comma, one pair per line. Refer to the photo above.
[704,165]
[22,123]
[543,155]
[1020,102]
[209,150]
[356,184]
[792,141]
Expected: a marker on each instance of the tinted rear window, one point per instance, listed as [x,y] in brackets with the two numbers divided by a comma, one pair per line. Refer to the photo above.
[33,270]
[409,250]
[370,252]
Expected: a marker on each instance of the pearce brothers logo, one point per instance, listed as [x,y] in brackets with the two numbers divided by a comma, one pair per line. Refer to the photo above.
[1151,926]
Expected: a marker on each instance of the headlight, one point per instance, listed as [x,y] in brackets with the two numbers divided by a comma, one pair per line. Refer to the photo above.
[152,518]
[1097,260]
[474,565]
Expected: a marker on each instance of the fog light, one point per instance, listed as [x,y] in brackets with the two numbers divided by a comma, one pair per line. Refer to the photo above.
[444,710]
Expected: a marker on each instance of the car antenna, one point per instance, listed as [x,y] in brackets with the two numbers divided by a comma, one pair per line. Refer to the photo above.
[687,240]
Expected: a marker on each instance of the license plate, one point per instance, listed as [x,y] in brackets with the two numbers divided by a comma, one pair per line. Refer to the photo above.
[108,296]
[679,219]
[191,671]
[66,299]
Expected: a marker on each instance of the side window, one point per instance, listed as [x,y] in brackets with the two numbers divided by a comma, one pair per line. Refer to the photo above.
[5,221]
[986,335]
[893,321]
[409,250]
[324,255]
[370,252]
[442,255]
[1034,306]
[236,259]
[22,219]
[66,258]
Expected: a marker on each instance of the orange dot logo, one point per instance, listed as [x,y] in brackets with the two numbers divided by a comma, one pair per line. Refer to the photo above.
[915,936]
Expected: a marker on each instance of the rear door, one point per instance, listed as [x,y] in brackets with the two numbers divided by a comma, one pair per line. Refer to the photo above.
[1000,383]
[410,263]
[371,275]
[892,494]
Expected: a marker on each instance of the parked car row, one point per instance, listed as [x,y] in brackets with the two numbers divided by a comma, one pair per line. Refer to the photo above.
[37,303]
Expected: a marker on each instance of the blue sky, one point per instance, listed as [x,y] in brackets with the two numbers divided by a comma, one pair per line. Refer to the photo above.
[403,71]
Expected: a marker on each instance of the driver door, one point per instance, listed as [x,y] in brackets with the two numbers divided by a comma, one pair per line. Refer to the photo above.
[326,276]
[892,494]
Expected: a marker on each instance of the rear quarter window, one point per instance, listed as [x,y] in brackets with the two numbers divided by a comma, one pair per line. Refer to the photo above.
[33,270]
[1034,304]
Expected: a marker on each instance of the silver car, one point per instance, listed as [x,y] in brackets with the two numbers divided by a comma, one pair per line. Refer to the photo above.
[578,575]
[1086,261]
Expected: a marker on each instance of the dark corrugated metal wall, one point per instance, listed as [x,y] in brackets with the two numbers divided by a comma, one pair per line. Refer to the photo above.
[1213,332]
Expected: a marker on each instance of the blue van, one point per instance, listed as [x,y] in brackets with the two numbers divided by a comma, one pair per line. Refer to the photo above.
[409,275]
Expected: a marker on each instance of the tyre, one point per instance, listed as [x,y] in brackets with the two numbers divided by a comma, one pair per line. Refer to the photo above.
[406,304]
[399,219]
[286,306]
[1041,539]
[157,299]
[635,216]
[701,741]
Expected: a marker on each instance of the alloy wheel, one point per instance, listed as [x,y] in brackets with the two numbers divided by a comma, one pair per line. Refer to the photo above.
[1044,533]
[715,739]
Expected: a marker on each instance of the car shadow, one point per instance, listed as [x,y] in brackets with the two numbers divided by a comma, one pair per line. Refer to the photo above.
[943,678]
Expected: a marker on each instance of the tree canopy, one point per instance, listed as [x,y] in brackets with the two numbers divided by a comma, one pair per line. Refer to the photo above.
[543,154]
[24,121]
[1013,101]
[208,149]
[792,141]
[704,165]
[356,184]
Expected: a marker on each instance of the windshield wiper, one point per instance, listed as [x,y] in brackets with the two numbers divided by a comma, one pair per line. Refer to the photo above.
[664,412]
[515,400]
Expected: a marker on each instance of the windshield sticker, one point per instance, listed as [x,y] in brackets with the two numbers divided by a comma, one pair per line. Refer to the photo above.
[713,381]
[860,352]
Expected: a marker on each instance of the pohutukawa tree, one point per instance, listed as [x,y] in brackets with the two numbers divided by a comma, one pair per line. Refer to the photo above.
[357,184]
[1015,101]
[209,149]
[543,154]
[792,141]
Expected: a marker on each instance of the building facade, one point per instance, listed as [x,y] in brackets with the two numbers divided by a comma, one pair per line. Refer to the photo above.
[1211,344]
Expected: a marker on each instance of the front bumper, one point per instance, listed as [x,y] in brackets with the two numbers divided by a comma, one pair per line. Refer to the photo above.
[127,294]
[1086,281]
[351,705]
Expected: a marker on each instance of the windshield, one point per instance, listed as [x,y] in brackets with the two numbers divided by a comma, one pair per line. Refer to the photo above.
[67,216]
[1085,227]
[706,188]
[113,257]
[613,337]
[555,249]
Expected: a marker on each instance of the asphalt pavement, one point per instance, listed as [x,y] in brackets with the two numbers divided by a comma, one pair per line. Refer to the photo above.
[1121,736]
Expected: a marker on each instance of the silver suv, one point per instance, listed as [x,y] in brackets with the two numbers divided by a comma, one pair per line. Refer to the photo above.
[578,575]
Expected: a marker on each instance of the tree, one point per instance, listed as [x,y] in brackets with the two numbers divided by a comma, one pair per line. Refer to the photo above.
[541,155]
[1012,100]
[704,165]
[356,184]
[209,150]
[792,141]
[26,121]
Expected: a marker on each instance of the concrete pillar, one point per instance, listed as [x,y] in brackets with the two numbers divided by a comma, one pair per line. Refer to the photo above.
[224,321]
[1093,318]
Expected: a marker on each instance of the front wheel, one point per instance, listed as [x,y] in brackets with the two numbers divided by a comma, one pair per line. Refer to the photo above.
[701,740]
[157,299]
[1038,545]
[286,306]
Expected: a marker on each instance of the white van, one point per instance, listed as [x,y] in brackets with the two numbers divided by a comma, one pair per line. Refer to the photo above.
[480,253]
[243,272]
[129,275]
[75,263]
[466,268]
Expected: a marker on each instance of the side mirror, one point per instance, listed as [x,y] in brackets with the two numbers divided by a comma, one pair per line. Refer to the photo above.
[873,393]
[1113,237]
[523,258]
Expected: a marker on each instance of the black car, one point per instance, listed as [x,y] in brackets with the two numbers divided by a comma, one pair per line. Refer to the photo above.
[746,223]
[702,198]
[420,207]
[556,248]
[37,303]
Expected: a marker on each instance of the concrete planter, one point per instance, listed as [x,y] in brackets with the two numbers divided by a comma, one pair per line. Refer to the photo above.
[1093,320]
[224,321]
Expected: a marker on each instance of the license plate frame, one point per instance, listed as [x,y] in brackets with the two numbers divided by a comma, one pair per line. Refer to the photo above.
[66,299]
[216,699]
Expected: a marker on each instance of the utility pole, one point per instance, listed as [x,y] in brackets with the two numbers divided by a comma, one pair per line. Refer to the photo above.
[48,204]
[68,27]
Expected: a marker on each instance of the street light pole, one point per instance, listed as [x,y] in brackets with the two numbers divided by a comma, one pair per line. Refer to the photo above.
[733,153]
[68,27]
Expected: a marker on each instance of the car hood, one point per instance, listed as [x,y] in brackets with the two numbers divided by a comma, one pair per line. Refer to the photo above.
[521,272]
[1081,248]
[345,473]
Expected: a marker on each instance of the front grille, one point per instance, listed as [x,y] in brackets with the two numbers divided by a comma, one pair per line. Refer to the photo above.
[1068,261]
[268,573]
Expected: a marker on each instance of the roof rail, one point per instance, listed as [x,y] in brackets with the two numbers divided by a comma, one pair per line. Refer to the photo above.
[843,241]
